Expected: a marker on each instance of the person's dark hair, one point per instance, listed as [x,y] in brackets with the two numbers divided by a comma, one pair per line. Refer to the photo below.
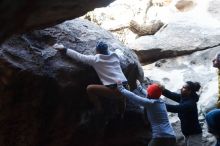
[102,48]
[194,87]
[218,56]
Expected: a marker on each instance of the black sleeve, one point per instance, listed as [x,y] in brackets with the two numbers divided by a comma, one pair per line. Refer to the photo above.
[172,95]
[179,108]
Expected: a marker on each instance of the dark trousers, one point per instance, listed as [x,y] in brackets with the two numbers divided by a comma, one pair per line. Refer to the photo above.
[163,141]
[114,86]
[218,142]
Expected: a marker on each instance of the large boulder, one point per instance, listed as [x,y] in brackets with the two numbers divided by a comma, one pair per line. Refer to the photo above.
[186,34]
[43,93]
[147,29]
[118,15]
[23,15]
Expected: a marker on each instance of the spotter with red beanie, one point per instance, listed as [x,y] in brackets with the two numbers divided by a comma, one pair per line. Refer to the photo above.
[156,112]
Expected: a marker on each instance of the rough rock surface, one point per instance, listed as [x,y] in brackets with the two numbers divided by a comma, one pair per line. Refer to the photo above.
[185,5]
[182,40]
[147,29]
[43,93]
[213,9]
[186,34]
[23,15]
[117,16]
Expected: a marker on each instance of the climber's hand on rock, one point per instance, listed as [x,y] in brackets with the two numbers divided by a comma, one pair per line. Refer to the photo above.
[60,47]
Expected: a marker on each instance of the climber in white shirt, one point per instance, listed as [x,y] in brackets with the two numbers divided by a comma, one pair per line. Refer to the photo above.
[107,66]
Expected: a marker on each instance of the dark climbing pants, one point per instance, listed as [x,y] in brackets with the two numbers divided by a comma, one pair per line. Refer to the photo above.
[163,142]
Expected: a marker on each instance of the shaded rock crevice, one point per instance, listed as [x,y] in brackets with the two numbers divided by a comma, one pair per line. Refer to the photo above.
[153,55]
[26,15]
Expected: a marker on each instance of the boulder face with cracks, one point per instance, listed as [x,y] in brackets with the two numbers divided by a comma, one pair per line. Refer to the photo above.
[175,40]
[43,93]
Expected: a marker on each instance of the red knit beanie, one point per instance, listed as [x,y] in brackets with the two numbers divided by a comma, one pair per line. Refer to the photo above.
[154,91]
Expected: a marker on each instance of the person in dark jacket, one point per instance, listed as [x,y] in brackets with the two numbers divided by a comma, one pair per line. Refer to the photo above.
[213,122]
[187,112]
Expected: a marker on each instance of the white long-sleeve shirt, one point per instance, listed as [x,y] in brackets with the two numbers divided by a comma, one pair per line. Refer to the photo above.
[107,66]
